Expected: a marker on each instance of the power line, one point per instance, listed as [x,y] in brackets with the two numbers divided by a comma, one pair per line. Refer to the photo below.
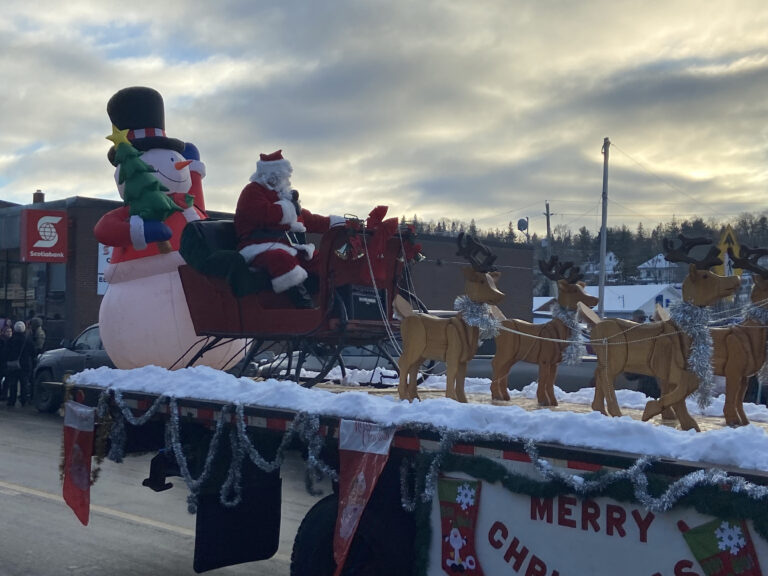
[649,171]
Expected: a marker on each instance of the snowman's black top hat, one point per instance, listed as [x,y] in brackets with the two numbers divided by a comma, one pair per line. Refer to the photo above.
[140,110]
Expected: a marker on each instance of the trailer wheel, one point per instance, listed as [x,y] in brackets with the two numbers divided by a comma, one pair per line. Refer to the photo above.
[383,544]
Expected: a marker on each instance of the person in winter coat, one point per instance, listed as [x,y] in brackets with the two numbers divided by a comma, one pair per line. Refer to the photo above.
[18,362]
[268,219]
[37,335]
[6,331]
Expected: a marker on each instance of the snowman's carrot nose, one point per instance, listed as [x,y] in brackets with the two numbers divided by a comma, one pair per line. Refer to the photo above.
[184,164]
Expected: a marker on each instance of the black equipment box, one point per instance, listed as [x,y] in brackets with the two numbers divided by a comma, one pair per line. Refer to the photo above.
[361,302]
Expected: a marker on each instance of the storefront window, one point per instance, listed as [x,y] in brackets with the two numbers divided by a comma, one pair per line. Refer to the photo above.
[30,289]
[57,282]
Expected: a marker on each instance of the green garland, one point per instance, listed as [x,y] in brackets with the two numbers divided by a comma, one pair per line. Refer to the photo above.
[705,499]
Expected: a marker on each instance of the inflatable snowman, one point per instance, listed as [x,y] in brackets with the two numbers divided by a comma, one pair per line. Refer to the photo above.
[144,319]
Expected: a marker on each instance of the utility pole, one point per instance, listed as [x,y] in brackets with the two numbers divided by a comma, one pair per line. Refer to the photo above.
[548,251]
[549,230]
[603,229]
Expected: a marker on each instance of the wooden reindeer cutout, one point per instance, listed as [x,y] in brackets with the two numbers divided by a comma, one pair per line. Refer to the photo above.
[658,349]
[739,351]
[541,344]
[452,340]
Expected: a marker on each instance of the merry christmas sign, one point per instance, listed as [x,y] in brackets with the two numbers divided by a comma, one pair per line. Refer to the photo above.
[484,528]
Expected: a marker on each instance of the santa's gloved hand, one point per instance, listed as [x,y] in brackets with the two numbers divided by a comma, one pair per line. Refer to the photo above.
[295,201]
[156,231]
[297,227]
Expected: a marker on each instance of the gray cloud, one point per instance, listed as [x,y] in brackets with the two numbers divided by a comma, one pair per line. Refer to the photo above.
[436,108]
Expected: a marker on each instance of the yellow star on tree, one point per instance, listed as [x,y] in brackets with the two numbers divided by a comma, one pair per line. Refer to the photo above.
[119,136]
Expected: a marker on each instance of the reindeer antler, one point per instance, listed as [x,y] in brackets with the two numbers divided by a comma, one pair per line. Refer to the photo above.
[477,254]
[556,270]
[748,258]
[680,254]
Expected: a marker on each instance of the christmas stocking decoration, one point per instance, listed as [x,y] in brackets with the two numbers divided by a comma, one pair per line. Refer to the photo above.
[459,503]
[78,447]
[722,548]
[363,452]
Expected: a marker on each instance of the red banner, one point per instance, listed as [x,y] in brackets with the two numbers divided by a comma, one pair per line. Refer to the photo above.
[79,423]
[363,452]
[43,236]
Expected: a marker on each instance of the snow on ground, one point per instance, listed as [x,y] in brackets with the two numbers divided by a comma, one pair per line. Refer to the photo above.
[745,447]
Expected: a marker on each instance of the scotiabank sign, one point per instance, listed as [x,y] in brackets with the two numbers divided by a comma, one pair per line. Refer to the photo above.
[43,236]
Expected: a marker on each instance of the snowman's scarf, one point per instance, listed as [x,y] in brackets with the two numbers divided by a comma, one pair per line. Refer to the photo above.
[479,315]
[694,321]
[577,348]
[760,315]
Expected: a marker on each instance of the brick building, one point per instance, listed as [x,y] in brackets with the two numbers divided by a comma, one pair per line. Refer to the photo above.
[438,279]
[66,292]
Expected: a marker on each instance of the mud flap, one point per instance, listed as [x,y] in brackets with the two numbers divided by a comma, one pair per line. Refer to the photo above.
[247,532]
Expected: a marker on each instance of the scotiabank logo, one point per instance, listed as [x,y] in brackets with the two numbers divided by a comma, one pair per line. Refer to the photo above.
[48,235]
[43,236]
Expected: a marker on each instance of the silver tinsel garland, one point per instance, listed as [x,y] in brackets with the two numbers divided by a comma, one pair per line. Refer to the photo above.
[425,490]
[117,433]
[636,475]
[409,498]
[694,321]
[174,429]
[304,426]
[577,348]
[760,315]
[479,315]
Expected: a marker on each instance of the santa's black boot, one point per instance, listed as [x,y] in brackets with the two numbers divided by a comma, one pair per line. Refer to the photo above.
[300,297]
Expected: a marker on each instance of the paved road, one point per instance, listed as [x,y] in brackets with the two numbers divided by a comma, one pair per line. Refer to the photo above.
[132,531]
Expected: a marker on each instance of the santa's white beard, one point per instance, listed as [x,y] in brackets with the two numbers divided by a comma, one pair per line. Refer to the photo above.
[282,186]
[284,190]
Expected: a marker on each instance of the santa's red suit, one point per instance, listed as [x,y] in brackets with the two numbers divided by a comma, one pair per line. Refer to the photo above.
[262,219]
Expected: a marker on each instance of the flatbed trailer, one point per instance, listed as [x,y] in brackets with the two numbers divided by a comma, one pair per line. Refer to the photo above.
[446,502]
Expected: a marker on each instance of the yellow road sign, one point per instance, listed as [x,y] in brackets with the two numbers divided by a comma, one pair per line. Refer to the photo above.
[727,240]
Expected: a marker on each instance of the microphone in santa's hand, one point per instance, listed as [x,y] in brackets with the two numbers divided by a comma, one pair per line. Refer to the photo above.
[296,237]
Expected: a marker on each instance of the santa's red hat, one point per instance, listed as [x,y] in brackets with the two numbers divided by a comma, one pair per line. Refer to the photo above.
[273,163]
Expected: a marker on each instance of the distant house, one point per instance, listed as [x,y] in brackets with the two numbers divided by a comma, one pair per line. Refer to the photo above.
[542,309]
[619,301]
[592,269]
[658,270]
[622,301]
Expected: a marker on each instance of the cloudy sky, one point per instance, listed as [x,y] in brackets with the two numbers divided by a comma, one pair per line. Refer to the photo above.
[483,109]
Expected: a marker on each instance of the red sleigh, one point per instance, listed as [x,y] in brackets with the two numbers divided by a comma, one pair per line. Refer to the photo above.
[359,273]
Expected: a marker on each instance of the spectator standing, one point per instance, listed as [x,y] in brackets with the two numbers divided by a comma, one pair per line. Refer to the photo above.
[37,335]
[18,365]
[6,331]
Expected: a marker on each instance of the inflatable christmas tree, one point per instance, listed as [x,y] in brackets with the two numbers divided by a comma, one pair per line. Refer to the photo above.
[143,193]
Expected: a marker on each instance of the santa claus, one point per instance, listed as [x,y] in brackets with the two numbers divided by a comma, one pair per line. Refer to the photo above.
[270,224]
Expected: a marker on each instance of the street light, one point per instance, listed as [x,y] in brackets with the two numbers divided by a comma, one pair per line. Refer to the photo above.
[522,225]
